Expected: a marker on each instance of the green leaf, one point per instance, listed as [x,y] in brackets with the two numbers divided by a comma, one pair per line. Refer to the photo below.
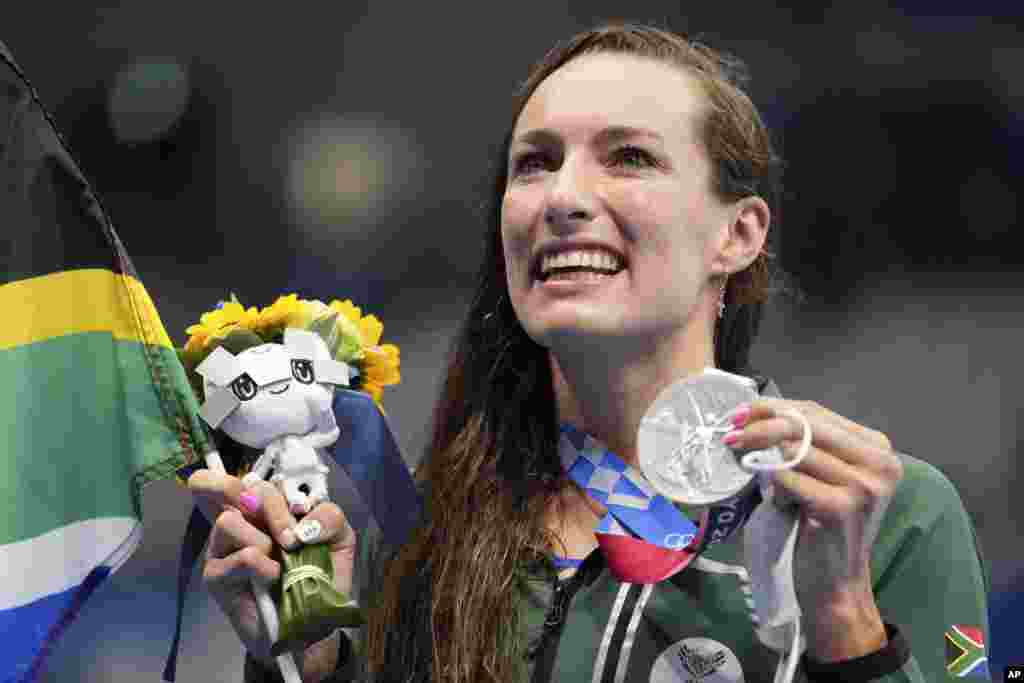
[239,340]
[327,328]
[350,341]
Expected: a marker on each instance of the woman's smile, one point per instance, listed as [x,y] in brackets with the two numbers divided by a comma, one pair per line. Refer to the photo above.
[563,267]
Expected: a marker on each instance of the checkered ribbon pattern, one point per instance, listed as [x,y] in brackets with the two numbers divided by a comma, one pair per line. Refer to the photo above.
[645,538]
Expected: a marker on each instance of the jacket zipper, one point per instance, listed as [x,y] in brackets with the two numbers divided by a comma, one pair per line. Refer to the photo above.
[547,648]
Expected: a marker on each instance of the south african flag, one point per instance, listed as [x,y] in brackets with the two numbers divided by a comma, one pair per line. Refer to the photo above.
[93,400]
[965,652]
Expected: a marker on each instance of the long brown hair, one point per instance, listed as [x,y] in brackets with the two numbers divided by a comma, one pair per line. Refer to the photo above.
[448,608]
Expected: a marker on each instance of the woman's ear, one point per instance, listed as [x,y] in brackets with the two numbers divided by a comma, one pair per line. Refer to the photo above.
[744,234]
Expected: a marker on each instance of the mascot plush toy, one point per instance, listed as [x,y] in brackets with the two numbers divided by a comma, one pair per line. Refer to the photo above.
[277,397]
[267,379]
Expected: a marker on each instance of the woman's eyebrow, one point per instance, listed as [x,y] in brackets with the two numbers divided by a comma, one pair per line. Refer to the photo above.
[614,134]
[544,136]
[538,137]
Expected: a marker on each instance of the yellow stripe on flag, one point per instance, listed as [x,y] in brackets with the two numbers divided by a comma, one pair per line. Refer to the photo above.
[77,301]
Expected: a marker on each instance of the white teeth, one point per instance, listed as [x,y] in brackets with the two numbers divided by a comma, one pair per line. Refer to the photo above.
[586,258]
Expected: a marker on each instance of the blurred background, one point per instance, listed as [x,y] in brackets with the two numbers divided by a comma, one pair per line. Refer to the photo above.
[342,150]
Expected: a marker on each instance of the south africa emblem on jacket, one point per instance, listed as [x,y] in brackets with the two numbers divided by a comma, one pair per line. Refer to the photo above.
[697,660]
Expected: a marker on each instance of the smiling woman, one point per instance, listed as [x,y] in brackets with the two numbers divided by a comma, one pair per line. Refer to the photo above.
[634,152]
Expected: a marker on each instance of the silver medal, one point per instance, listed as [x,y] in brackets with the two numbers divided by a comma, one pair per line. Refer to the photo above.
[680,445]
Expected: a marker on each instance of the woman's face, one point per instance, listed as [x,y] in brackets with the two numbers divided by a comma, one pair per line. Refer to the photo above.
[609,224]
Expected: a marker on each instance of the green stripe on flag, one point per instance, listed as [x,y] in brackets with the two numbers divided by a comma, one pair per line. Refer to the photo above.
[81,418]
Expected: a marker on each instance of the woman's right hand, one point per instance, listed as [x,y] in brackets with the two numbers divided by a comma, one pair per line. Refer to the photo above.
[246,524]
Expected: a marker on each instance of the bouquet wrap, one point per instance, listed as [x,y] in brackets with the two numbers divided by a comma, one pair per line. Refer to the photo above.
[310,606]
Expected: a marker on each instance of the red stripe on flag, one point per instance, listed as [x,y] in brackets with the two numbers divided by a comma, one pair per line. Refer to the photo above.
[973,634]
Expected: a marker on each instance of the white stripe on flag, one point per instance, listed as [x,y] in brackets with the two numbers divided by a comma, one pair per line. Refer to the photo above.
[62,558]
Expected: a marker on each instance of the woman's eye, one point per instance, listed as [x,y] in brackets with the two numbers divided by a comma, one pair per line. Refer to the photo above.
[633,157]
[302,370]
[528,163]
[244,388]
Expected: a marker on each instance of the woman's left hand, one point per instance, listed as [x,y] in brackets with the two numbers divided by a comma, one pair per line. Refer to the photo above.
[843,487]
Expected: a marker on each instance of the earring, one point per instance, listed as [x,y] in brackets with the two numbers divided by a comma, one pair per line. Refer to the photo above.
[721,298]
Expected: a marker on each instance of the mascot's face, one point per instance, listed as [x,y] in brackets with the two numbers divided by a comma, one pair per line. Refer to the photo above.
[270,391]
[282,406]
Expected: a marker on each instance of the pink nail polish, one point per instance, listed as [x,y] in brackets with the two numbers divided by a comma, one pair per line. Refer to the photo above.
[741,416]
[731,438]
[250,502]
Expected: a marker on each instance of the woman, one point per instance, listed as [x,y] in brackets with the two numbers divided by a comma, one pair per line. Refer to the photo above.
[627,249]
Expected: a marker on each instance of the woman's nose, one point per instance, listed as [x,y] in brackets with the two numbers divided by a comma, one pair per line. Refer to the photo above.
[570,198]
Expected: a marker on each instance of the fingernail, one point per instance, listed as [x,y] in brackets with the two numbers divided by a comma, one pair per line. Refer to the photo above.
[308,530]
[288,539]
[250,502]
[740,417]
[732,437]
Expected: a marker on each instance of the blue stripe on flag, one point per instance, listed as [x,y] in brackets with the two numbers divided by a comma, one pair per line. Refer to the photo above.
[30,630]
[978,670]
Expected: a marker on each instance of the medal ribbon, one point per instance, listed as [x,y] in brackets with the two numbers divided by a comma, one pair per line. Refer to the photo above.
[644,537]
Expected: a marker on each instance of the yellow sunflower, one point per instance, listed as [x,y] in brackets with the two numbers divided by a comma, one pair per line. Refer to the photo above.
[380,368]
[287,311]
[218,323]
